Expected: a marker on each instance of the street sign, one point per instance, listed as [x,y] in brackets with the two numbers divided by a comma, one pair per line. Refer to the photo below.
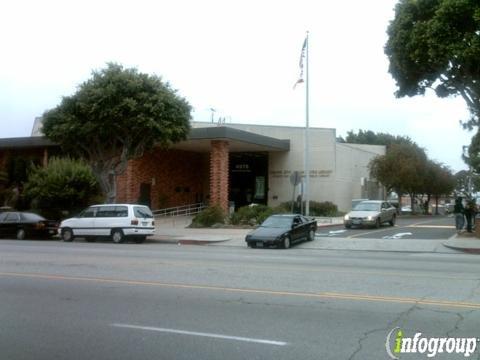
[295,178]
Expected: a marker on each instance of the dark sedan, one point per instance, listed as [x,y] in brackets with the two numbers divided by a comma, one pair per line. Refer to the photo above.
[282,231]
[22,225]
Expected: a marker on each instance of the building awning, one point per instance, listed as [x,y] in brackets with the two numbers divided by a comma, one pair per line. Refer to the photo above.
[199,140]
[26,142]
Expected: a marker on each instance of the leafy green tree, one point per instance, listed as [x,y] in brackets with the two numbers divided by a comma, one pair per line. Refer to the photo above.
[472,155]
[466,184]
[116,116]
[401,169]
[438,181]
[371,138]
[435,44]
[443,183]
[64,184]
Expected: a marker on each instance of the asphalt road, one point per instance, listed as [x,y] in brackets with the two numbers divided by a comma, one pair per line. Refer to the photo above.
[409,227]
[161,301]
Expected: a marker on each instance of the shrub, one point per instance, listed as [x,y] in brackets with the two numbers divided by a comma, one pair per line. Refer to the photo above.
[325,208]
[251,215]
[63,185]
[210,216]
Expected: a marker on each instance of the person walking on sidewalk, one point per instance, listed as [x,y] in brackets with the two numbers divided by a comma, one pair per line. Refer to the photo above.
[459,211]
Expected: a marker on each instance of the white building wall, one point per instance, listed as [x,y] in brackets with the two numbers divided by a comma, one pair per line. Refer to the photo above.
[353,179]
[335,169]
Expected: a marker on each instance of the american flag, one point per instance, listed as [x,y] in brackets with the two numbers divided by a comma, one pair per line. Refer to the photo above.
[302,56]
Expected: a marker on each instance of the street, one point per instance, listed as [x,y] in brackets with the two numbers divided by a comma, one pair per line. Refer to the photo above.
[408,227]
[163,301]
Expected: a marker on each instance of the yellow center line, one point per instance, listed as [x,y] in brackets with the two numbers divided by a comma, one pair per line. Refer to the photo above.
[322,269]
[320,295]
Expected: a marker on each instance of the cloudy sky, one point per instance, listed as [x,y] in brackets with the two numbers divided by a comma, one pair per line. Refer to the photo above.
[238,57]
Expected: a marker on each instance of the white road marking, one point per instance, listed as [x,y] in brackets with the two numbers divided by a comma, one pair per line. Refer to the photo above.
[331,233]
[432,226]
[454,236]
[397,236]
[194,333]
[335,232]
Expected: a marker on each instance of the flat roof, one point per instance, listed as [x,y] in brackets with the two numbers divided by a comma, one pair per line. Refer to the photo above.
[239,140]
[197,140]
[25,142]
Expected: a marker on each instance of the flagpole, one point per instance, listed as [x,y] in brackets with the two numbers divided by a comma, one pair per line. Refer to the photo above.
[307,120]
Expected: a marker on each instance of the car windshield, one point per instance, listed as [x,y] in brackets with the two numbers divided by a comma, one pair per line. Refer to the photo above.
[365,206]
[277,222]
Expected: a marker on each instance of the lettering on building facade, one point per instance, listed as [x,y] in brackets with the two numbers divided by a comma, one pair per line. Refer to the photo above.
[313,173]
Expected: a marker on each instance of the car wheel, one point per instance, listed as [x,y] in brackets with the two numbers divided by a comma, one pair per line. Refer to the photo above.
[378,223]
[286,242]
[348,226]
[140,239]
[67,235]
[252,245]
[311,235]
[21,234]
[117,236]
[392,222]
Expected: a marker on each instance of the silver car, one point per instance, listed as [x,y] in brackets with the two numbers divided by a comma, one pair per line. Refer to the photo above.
[371,213]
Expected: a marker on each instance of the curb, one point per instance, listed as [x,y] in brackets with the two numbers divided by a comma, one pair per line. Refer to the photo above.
[200,242]
[187,241]
[465,250]
[461,248]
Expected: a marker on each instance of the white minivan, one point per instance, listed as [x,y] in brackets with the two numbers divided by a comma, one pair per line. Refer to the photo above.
[117,221]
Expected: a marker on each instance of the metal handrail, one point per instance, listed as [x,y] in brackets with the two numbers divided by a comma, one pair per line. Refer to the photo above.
[184,210]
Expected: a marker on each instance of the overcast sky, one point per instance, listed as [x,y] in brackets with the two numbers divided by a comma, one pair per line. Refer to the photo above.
[239,57]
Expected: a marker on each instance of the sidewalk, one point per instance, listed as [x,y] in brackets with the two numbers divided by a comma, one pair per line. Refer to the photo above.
[174,230]
[466,242]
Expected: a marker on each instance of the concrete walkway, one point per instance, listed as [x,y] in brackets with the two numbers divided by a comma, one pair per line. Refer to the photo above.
[174,230]
[466,242]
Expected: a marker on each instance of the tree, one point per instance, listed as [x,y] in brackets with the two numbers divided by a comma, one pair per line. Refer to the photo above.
[401,169]
[116,116]
[371,138]
[438,181]
[466,184]
[443,185]
[64,184]
[435,44]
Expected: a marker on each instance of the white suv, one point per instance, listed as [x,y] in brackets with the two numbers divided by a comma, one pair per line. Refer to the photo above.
[118,221]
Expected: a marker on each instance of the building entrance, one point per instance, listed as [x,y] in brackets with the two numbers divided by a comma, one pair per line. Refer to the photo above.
[248,178]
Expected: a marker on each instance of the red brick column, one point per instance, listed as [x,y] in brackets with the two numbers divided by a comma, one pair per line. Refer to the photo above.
[219,174]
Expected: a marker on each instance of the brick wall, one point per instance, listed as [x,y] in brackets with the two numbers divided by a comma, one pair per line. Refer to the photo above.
[219,174]
[176,178]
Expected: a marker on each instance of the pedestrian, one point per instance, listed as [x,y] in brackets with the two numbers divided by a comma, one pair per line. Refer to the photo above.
[458,211]
[470,212]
